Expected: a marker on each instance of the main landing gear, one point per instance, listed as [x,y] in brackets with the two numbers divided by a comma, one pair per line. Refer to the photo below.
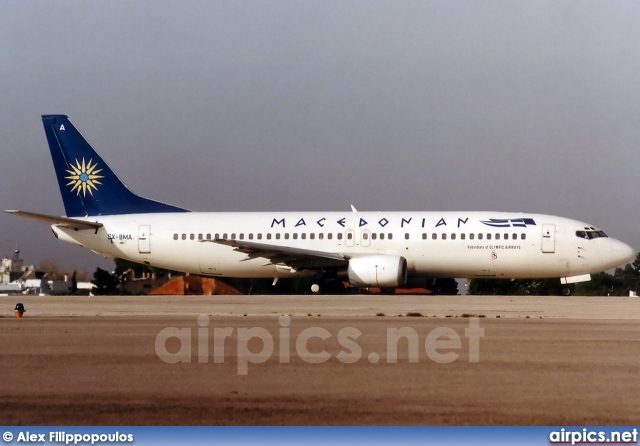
[333,286]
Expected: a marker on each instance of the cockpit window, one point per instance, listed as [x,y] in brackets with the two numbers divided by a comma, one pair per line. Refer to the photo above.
[590,234]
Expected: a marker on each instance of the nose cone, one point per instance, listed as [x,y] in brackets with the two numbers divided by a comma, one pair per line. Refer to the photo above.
[620,253]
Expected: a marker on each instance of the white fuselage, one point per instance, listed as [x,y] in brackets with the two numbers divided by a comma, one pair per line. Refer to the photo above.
[434,244]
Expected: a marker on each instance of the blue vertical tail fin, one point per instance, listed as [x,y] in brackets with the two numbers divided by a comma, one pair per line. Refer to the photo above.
[87,184]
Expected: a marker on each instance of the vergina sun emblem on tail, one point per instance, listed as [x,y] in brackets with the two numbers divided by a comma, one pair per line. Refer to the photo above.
[84,177]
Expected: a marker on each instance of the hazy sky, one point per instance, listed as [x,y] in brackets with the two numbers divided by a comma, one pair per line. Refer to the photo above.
[316,105]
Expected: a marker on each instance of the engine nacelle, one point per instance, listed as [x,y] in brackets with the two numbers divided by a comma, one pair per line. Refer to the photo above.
[377,271]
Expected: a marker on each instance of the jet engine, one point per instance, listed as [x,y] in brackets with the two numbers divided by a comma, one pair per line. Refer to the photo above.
[377,271]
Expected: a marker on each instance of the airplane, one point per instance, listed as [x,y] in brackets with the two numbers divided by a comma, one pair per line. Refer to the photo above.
[364,249]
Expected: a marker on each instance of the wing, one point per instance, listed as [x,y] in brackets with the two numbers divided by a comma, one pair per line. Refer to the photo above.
[296,258]
[63,222]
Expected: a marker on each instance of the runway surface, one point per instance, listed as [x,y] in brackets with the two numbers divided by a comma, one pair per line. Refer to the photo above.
[320,360]
[341,306]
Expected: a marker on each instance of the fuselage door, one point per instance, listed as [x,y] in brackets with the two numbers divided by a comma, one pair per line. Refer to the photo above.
[144,239]
[548,238]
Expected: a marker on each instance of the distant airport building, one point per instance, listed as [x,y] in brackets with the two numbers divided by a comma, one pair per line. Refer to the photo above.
[13,274]
[16,278]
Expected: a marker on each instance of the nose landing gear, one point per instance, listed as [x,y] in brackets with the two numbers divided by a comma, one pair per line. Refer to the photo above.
[568,290]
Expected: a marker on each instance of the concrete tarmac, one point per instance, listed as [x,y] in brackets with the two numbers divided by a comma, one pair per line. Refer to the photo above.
[575,307]
[219,360]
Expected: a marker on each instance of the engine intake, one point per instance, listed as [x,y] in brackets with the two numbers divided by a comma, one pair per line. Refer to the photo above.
[377,271]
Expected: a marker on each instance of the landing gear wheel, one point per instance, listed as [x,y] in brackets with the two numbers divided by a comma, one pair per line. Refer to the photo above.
[567,290]
[315,288]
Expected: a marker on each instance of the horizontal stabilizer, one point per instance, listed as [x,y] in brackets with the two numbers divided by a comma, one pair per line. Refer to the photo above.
[62,222]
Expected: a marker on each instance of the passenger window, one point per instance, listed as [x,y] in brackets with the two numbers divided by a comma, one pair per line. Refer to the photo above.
[365,236]
[278,236]
[472,236]
[269,236]
[506,236]
[241,236]
[523,236]
[259,236]
[406,236]
[424,236]
[349,236]
[434,236]
[390,236]
[199,236]
[373,236]
[192,236]
[339,236]
[453,236]
[233,236]
[303,236]
[330,235]
[381,236]
[463,236]
[295,236]
[480,236]
[497,236]
[286,236]
[444,236]
[175,236]
[217,236]
[312,236]
[514,236]
[251,236]
[208,236]
[320,236]
[488,236]
[224,236]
